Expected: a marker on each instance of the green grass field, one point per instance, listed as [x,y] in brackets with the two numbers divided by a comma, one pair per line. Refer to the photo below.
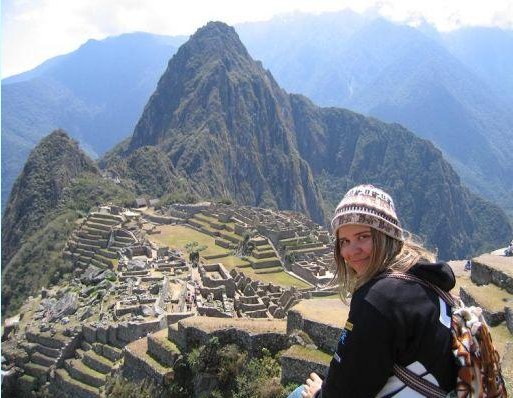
[308,353]
[272,275]
[177,236]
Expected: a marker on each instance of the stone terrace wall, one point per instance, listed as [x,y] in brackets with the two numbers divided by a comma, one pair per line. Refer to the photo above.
[122,332]
[193,336]
[492,318]
[324,336]
[295,370]
[226,281]
[482,273]
[136,369]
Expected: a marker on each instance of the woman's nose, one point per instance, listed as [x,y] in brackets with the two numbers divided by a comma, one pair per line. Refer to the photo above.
[351,248]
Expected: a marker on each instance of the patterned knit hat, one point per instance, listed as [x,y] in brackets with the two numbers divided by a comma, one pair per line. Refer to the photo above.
[368,205]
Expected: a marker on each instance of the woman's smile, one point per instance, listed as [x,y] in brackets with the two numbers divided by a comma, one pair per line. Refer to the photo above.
[356,246]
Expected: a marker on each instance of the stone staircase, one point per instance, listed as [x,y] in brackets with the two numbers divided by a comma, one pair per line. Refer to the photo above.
[98,241]
[38,354]
[85,375]
[151,357]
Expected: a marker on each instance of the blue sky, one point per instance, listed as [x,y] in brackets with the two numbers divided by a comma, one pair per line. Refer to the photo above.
[35,30]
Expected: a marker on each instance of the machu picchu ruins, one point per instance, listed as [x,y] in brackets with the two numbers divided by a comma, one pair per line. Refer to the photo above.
[138,301]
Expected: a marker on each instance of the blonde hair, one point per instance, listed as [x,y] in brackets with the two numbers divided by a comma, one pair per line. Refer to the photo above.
[387,254]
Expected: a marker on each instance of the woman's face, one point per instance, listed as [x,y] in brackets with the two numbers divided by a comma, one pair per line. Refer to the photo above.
[355,246]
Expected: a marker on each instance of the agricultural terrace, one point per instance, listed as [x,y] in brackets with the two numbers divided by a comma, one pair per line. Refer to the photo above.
[177,236]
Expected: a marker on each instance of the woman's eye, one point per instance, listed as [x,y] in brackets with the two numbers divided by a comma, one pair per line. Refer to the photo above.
[362,237]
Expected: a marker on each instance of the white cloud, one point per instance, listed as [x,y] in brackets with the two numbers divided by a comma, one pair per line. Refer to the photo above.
[35,30]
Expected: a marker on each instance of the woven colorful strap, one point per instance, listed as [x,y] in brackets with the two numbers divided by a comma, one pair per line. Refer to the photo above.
[417,383]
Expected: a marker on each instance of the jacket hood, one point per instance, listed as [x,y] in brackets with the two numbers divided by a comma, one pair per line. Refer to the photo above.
[439,274]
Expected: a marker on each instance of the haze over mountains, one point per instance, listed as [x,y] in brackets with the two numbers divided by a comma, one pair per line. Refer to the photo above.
[219,126]
[96,93]
[228,127]
[452,88]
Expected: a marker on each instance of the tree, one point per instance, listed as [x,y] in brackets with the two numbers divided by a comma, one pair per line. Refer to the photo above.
[246,247]
[193,248]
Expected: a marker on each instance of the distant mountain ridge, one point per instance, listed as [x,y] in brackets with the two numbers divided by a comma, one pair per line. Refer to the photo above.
[218,126]
[343,59]
[399,74]
[96,93]
[231,131]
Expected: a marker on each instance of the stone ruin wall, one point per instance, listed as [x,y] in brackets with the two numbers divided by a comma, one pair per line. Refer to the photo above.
[483,274]
[294,370]
[324,336]
[227,281]
[122,333]
[189,337]
[253,306]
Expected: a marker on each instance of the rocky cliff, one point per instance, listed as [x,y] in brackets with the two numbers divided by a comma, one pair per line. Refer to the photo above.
[50,168]
[226,125]
[230,131]
[58,183]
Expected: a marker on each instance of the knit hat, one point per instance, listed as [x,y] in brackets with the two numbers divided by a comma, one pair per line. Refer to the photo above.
[368,205]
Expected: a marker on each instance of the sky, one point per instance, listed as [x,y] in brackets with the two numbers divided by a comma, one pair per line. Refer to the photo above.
[36,30]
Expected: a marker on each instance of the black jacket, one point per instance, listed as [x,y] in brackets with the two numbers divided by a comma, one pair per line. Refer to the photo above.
[394,321]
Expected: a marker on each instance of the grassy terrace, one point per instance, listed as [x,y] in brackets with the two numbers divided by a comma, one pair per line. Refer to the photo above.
[263,248]
[490,296]
[322,310]
[177,236]
[329,297]
[501,337]
[168,345]
[300,352]
[310,249]
[140,348]
[202,222]
[205,218]
[279,278]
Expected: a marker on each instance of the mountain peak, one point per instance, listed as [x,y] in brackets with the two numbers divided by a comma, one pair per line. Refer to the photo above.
[212,64]
[220,117]
[214,42]
[217,36]
[50,168]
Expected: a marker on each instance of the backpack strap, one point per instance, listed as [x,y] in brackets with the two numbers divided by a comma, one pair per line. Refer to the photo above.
[417,383]
[409,378]
[445,296]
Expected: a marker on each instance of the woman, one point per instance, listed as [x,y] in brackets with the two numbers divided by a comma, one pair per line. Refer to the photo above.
[391,321]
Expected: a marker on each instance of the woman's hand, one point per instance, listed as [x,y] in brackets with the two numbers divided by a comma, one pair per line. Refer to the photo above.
[313,384]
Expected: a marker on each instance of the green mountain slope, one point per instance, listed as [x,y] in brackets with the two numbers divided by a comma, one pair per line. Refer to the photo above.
[230,131]
[96,93]
[225,125]
[50,168]
[443,87]
[58,184]
[345,149]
